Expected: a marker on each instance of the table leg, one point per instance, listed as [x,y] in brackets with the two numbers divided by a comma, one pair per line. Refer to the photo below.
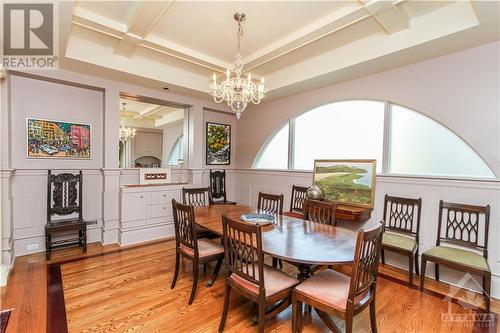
[304,272]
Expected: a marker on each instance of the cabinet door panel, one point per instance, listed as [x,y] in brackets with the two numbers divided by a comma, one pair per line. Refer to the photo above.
[134,206]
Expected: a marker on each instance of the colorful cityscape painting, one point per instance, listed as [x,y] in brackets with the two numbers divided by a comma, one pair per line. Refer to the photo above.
[56,139]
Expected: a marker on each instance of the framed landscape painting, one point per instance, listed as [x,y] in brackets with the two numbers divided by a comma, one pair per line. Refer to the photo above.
[346,181]
[57,139]
[218,144]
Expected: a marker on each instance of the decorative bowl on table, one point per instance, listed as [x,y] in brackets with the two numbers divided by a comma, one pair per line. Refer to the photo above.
[260,218]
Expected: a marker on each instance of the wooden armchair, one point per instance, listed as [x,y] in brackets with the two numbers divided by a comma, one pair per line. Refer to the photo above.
[402,225]
[460,226]
[332,292]
[218,188]
[187,245]
[273,204]
[320,211]
[249,276]
[64,197]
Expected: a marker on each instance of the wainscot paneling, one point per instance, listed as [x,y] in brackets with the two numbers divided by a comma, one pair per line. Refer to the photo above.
[250,181]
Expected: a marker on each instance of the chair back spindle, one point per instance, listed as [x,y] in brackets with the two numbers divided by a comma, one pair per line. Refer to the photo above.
[462,224]
[196,196]
[299,194]
[270,203]
[218,184]
[366,262]
[402,215]
[243,250]
[185,226]
[320,211]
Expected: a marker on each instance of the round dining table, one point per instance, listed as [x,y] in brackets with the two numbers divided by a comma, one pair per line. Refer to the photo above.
[301,242]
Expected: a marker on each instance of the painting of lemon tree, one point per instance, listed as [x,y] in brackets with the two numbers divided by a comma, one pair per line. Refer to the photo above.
[346,181]
[218,144]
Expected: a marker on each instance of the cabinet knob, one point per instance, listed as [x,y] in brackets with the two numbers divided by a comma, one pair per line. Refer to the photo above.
[142,197]
[164,208]
[164,195]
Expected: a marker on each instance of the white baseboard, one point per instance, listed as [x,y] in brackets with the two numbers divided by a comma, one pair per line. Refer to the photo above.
[4,275]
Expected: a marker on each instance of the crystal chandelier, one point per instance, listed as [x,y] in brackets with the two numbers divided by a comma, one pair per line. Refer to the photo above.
[236,89]
[126,133]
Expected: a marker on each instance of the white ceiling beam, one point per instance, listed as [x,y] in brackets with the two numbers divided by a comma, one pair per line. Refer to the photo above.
[127,41]
[387,15]
[150,111]
[145,19]
[170,117]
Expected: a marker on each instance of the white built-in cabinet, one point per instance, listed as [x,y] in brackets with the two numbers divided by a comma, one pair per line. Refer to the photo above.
[146,212]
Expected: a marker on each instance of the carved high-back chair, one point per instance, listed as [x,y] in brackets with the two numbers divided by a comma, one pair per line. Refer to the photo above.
[320,211]
[465,228]
[402,225]
[249,275]
[332,292]
[218,188]
[64,197]
[190,247]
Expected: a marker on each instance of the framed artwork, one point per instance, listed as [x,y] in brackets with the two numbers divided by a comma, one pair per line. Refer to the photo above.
[218,144]
[346,181]
[57,139]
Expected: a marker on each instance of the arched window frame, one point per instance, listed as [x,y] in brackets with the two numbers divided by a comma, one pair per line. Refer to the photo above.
[386,139]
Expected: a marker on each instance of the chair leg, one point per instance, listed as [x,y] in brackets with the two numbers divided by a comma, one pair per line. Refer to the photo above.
[416,263]
[280,263]
[262,316]
[195,281]
[436,272]
[422,274]
[382,255]
[410,271]
[176,273]
[48,246]
[349,318]
[211,281]
[84,233]
[227,295]
[296,314]
[373,318]
[486,289]
[275,262]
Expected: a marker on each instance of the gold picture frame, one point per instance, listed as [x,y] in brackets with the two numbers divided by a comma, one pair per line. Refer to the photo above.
[351,182]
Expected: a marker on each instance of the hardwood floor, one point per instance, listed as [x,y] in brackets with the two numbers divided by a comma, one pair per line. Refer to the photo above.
[128,290]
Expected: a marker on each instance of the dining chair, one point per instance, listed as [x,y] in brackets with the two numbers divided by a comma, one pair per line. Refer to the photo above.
[249,275]
[299,194]
[402,225]
[320,211]
[459,225]
[187,245]
[218,188]
[197,197]
[271,203]
[332,292]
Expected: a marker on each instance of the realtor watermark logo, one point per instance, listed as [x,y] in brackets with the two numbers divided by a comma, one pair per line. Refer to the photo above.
[29,32]
[469,316]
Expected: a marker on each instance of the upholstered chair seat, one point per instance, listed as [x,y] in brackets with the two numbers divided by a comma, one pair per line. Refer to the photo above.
[398,241]
[206,248]
[275,281]
[459,256]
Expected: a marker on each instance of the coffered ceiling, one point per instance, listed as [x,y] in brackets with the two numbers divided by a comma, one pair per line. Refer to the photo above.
[296,45]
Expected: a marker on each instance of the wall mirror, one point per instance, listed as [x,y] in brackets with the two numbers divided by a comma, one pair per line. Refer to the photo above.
[158,132]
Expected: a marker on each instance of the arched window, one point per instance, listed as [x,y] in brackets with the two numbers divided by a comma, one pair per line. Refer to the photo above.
[401,140]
